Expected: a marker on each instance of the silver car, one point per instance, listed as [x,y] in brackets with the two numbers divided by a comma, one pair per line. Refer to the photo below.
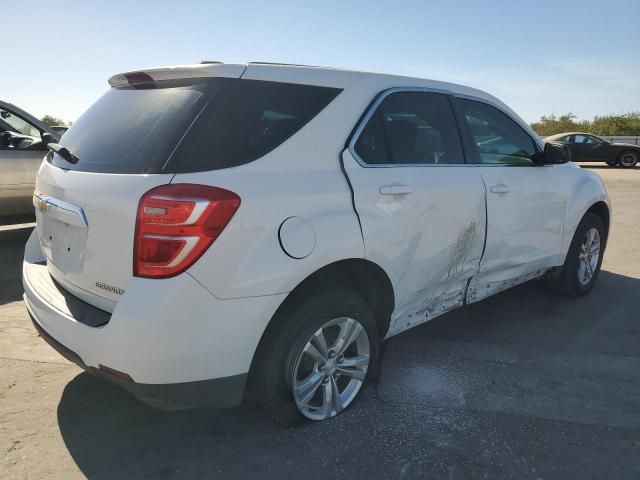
[21,151]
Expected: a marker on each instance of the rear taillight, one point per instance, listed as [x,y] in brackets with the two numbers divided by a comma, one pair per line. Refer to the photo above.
[176,224]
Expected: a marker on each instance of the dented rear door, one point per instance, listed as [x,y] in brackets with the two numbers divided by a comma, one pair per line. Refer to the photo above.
[422,209]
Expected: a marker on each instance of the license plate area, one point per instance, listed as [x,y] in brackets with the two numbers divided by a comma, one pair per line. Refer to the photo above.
[62,229]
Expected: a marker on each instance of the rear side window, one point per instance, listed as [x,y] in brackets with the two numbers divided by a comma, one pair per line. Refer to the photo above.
[411,128]
[497,138]
[250,120]
[177,128]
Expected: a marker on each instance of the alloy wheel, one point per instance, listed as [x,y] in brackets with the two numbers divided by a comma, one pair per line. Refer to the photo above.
[331,368]
[628,159]
[589,256]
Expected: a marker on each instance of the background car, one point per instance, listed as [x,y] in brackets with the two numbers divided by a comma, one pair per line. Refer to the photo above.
[21,151]
[586,147]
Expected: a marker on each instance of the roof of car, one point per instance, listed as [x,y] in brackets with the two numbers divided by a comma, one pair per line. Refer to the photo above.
[291,73]
[366,84]
[558,135]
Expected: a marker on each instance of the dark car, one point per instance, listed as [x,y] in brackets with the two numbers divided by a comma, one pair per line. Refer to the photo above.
[586,147]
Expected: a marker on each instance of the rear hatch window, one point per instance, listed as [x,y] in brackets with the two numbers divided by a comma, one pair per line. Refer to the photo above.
[180,128]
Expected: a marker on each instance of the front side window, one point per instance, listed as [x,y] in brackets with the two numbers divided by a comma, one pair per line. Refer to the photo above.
[587,140]
[411,128]
[16,133]
[497,138]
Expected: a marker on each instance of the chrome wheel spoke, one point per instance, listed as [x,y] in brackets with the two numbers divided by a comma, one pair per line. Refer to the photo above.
[589,268]
[320,343]
[353,372]
[581,271]
[336,399]
[326,407]
[589,256]
[354,367]
[349,332]
[305,389]
[314,353]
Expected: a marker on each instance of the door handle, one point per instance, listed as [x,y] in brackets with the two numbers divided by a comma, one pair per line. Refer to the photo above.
[500,188]
[395,190]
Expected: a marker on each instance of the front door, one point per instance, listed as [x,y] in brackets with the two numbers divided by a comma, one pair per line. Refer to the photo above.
[525,202]
[422,209]
[587,148]
[21,152]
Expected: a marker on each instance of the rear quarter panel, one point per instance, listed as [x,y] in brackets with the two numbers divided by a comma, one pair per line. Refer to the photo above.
[301,178]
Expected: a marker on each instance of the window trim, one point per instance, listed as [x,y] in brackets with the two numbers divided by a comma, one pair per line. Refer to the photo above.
[373,106]
[470,142]
[467,148]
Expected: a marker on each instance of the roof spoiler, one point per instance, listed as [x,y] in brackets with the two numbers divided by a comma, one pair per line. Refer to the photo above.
[150,76]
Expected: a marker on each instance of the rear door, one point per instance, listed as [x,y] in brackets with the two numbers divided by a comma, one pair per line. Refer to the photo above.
[86,212]
[525,202]
[422,209]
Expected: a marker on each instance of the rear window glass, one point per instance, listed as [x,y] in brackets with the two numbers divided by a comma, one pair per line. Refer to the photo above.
[133,130]
[212,124]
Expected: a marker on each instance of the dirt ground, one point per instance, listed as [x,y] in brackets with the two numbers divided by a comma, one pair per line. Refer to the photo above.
[522,385]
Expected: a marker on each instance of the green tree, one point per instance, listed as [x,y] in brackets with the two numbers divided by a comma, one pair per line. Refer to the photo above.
[623,124]
[51,120]
[626,124]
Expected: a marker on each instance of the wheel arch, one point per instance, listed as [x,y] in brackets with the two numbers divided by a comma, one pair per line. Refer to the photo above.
[587,194]
[601,209]
[366,278]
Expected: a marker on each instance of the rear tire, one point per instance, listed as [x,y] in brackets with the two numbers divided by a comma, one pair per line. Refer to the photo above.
[582,267]
[613,164]
[295,376]
[628,159]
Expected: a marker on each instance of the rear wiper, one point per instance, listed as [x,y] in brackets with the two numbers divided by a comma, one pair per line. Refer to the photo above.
[64,152]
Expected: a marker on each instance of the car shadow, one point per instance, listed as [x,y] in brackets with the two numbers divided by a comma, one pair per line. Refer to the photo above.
[12,242]
[109,434]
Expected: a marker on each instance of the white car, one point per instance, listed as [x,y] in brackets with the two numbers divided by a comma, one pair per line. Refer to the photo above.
[210,231]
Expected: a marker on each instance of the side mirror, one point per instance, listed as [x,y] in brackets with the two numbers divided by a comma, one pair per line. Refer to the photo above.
[554,153]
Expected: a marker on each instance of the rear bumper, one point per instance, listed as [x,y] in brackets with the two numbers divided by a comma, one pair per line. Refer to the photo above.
[219,392]
[179,346]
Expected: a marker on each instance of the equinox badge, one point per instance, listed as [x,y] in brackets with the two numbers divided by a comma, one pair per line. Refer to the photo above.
[110,288]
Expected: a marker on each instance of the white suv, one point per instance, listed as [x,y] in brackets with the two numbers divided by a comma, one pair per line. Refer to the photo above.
[208,231]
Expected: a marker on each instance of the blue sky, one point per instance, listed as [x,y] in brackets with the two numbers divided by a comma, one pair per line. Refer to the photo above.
[540,57]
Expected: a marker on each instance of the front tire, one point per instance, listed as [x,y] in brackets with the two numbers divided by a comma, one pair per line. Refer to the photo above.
[584,258]
[613,164]
[628,159]
[317,357]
